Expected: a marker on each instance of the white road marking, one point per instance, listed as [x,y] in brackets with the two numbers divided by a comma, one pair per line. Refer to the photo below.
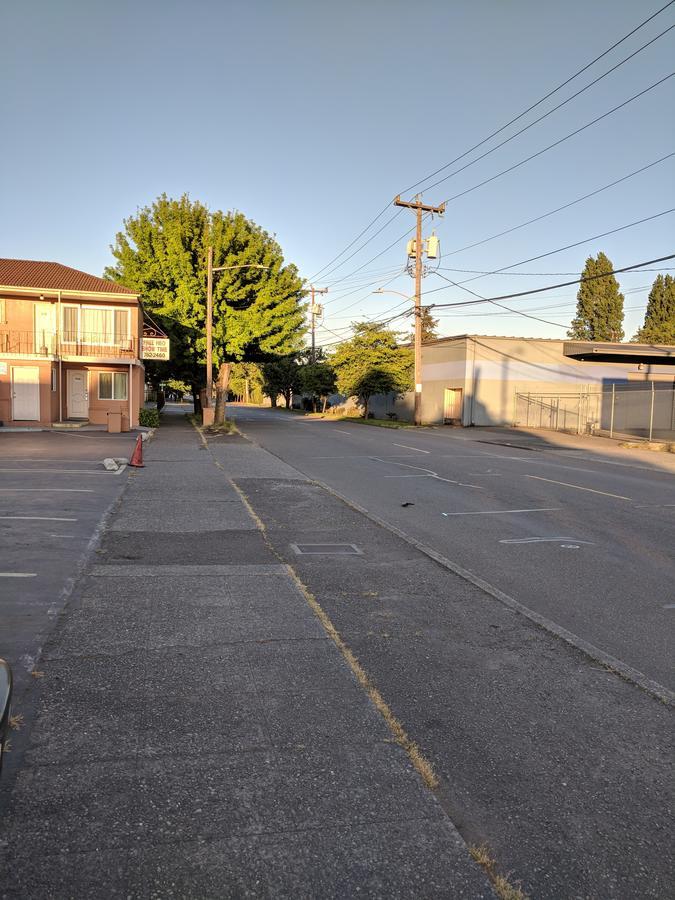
[501,512]
[39,518]
[542,540]
[18,574]
[406,447]
[655,506]
[578,487]
[669,606]
[342,432]
[46,490]
[61,472]
[429,472]
[408,476]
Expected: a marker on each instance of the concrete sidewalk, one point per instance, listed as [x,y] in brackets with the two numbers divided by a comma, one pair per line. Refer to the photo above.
[199,732]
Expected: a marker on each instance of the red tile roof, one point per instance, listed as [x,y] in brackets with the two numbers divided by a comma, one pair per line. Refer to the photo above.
[52,276]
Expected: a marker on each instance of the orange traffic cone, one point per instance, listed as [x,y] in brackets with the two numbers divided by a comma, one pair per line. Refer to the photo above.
[137,456]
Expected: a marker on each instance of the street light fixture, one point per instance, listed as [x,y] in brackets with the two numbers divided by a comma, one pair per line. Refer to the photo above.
[209,315]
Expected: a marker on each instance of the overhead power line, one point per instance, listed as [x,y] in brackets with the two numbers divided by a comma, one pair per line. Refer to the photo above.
[562,140]
[550,111]
[549,287]
[559,208]
[541,100]
[493,134]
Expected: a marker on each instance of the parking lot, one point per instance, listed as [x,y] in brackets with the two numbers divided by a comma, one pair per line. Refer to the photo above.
[54,493]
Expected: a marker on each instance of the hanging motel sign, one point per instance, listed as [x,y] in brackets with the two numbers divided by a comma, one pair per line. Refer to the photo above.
[154,344]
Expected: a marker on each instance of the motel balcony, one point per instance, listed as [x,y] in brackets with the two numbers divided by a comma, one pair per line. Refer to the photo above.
[68,345]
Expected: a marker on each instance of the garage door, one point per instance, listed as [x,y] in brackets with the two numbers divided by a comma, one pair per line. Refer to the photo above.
[26,393]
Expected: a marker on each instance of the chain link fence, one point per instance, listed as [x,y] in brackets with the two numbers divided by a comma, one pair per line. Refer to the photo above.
[618,410]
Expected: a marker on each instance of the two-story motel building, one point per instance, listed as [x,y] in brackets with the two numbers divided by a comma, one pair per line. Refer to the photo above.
[69,347]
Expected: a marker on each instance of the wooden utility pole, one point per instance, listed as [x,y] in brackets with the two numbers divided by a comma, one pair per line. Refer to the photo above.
[312,310]
[209,326]
[419,208]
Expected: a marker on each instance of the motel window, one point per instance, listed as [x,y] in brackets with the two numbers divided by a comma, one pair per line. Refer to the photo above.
[95,325]
[53,379]
[112,385]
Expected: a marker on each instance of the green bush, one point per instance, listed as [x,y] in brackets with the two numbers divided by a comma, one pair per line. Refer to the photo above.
[149,418]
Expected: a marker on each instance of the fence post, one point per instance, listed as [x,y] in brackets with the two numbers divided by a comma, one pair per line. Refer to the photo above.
[651,414]
[527,421]
[611,418]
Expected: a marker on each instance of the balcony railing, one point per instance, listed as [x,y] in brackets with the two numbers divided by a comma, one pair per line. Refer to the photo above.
[44,343]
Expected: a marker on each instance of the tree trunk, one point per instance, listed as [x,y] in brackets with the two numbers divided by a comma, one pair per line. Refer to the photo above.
[221,393]
[196,402]
[365,407]
[287,398]
[325,403]
[273,402]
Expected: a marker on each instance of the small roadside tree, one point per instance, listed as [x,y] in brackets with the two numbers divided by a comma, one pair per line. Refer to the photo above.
[318,380]
[281,376]
[599,304]
[659,324]
[372,363]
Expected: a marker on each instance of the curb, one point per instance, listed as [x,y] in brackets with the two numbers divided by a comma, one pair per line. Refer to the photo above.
[611,663]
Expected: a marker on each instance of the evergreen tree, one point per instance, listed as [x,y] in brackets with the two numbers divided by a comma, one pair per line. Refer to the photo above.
[599,304]
[659,325]
[372,363]
[429,326]
[257,312]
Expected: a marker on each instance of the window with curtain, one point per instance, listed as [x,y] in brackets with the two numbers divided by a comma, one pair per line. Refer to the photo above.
[70,324]
[92,325]
[112,385]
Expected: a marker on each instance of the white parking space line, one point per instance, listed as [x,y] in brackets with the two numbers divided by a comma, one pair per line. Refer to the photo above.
[47,491]
[342,432]
[579,487]
[543,540]
[39,518]
[502,512]
[60,472]
[406,447]
[18,574]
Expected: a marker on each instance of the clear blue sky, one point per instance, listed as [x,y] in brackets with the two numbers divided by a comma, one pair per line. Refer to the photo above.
[310,116]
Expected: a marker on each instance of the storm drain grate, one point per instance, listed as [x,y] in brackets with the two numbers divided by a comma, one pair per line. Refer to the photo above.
[327,549]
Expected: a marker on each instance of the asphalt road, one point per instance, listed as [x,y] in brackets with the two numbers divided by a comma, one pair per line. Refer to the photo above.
[54,492]
[580,535]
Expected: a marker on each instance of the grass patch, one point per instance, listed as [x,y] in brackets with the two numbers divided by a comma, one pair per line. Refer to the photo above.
[228,426]
[503,887]
[16,722]
[379,423]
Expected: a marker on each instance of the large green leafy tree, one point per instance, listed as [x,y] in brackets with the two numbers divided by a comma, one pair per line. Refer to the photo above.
[599,304]
[257,308]
[372,363]
[659,325]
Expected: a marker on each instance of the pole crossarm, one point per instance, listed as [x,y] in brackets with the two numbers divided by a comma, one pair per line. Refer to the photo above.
[417,204]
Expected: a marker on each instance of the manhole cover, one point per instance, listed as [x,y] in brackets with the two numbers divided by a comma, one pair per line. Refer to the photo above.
[331,549]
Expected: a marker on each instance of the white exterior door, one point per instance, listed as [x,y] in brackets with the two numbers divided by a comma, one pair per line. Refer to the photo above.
[44,328]
[26,393]
[78,394]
